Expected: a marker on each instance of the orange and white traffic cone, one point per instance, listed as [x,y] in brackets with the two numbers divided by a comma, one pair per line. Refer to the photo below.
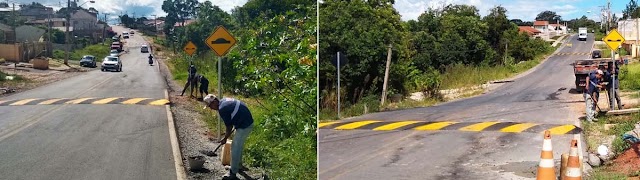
[573,166]
[546,169]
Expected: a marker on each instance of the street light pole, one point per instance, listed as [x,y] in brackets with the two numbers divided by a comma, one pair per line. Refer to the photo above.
[66,33]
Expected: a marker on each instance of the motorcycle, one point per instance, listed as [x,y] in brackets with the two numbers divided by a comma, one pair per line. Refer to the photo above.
[150,60]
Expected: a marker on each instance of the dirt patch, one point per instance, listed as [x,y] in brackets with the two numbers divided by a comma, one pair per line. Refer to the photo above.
[33,78]
[628,162]
[194,136]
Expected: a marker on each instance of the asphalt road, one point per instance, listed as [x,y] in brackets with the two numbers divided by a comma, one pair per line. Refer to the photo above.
[543,96]
[86,141]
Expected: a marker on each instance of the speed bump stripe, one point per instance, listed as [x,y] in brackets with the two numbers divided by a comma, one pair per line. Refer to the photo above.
[77,101]
[478,126]
[323,124]
[354,125]
[506,127]
[22,102]
[49,101]
[394,126]
[104,101]
[95,101]
[134,100]
[516,128]
[434,126]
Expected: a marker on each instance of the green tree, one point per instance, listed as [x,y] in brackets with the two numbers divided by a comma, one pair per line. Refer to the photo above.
[631,11]
[550,16]
[363,31]
[498,24]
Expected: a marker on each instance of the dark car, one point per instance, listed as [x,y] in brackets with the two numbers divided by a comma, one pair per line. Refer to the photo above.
[88,61]
[596,54]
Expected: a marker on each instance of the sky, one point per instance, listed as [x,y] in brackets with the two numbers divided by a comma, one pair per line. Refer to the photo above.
[517,9]
[141,7]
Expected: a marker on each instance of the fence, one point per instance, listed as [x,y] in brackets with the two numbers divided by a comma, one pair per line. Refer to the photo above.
[22,52]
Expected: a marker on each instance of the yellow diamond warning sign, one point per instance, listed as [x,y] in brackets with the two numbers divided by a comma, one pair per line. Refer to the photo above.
[613,40]
[190,48]
[220,41]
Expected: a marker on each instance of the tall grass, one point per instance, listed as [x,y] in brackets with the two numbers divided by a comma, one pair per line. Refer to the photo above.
[630,77]
[290,158]
[459,76]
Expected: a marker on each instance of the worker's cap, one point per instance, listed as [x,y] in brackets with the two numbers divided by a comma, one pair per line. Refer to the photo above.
[599,71]
[208,100]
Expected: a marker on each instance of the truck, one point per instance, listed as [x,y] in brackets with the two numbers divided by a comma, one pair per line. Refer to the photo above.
[582,68]
[582,34]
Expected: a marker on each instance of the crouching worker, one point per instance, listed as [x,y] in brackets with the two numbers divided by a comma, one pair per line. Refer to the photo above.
[235,114]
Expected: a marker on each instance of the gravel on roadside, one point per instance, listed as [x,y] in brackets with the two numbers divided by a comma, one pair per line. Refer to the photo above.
[193,134]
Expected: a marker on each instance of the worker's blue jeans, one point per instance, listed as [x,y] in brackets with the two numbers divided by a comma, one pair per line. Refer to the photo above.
[236,147]
[591,110]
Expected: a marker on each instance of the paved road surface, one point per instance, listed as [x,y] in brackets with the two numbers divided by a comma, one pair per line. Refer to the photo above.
[84,141]
[540,97]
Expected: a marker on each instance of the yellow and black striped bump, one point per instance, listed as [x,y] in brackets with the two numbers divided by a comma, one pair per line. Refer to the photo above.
[507,127]
[573,54]
[111,100]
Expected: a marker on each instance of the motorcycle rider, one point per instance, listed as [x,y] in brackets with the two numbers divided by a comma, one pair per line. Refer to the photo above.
[150,59]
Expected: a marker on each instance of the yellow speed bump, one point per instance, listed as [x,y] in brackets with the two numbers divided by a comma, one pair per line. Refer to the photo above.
[516,128]
[562,129]
[104,101]
[134,100]
[355,125]
[159,102]
[22,102]
[395,125]
[434,126]
[478,126]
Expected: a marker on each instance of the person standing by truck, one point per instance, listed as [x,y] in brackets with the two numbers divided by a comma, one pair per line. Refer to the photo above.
[590,94]
[613,85]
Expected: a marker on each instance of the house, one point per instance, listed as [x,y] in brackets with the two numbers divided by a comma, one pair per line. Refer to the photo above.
[532,32]
[84,22]
[55,22]
[33,12]
[542,26]
[29,33]
[558,28]
[186,23]
[8,34]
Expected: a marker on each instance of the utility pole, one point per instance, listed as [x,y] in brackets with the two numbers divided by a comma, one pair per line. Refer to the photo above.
[104,27]
[155,24]
[49,45]
[66,33]
[386,77]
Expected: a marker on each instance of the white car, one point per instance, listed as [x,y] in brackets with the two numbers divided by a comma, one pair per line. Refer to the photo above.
[125,35]
[144,49]
[114,53]
[111,62]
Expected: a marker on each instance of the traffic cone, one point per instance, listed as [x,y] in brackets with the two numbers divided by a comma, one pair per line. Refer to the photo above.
[573,166]
[546,169]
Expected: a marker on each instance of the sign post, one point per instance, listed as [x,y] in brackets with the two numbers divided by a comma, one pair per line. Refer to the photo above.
[614,40]
[220,41]
[190,48]
[339,60]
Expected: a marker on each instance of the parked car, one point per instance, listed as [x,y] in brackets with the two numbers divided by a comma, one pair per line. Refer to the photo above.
[125,35]
[596,54]
[132,32]
[88,61]
[116,38]
[114,53]
[116,46]
[111,63]
[144,49]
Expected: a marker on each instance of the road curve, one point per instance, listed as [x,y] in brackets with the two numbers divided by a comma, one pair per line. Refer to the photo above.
[541,97]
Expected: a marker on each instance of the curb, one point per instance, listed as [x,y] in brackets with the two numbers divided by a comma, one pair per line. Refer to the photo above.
[175,147]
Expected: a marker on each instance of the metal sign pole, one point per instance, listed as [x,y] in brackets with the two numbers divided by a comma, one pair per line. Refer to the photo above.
[338,57]
[220,92]
[613,81]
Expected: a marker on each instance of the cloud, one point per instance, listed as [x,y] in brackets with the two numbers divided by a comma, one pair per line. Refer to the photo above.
[516,9]
[140,7]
